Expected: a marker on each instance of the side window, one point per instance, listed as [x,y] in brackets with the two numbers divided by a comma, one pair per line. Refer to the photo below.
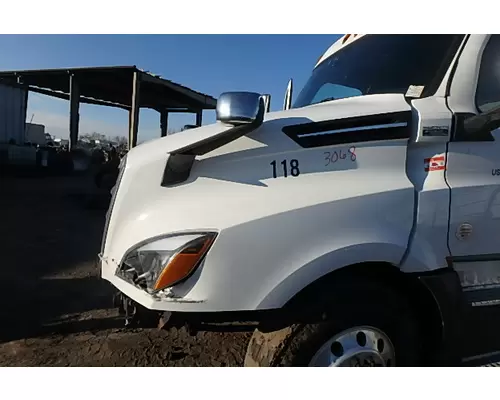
[488,86]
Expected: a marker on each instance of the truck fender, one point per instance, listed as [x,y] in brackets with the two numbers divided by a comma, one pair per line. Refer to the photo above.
[288,286]
[423,256]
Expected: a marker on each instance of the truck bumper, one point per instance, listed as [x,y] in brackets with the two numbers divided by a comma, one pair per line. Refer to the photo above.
[160,303]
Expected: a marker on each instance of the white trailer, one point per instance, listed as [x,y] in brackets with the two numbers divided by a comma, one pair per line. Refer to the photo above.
[35,134]
[355,227]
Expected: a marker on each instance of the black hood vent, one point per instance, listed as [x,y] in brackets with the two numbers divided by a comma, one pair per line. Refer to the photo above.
[351,130]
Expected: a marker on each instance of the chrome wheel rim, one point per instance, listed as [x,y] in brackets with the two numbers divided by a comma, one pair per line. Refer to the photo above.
[362,346]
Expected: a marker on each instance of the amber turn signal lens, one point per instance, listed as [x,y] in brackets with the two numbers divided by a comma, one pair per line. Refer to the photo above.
[184,262]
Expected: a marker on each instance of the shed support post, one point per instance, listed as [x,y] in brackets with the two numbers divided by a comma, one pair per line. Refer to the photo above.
[164,122]
[24,108]
[133,127]
[74,111]
[199,117]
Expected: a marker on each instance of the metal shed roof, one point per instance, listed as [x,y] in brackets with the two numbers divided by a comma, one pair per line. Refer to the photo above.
[112,86]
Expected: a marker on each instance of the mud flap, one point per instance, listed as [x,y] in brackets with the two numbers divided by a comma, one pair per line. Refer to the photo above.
[445,287]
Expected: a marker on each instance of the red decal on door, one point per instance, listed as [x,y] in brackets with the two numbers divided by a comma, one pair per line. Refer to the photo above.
[437,163]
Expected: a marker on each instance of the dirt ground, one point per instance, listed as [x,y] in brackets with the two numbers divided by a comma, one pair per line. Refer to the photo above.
[55,311]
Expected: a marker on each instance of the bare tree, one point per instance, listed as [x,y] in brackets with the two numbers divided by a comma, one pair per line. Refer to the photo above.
[120,140]
[94,136]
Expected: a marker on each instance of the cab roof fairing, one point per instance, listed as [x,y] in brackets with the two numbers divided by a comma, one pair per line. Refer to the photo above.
[344,41]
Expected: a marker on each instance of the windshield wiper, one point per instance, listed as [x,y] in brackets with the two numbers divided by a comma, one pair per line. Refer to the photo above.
[327,99]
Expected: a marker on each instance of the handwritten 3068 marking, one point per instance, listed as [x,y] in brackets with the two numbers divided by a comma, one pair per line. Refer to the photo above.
[331,157]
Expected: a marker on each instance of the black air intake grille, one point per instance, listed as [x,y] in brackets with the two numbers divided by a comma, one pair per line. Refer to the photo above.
[114,191]
[351,130]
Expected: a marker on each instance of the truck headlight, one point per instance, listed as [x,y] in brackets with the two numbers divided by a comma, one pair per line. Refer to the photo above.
[164,262]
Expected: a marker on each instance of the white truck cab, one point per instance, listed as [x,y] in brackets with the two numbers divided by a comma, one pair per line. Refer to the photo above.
[354,228]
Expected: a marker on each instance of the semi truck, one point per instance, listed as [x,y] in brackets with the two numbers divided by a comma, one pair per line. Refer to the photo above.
[358,226]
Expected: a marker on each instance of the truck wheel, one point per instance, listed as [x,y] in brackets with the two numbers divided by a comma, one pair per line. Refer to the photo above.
[372,331]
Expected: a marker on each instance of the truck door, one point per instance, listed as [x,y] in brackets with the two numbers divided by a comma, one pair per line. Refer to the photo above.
[473,173]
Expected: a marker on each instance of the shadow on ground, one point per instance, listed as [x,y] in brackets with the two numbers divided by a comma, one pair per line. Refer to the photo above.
[50,240]
[55,310]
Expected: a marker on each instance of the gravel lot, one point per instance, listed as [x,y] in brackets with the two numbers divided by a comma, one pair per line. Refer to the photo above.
[56,312]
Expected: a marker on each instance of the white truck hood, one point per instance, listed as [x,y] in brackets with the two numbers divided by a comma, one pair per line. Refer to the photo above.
[238,176]
[319,211]
[337,109]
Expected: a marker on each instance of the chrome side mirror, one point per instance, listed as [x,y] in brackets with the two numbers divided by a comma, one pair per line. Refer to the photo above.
[239,108]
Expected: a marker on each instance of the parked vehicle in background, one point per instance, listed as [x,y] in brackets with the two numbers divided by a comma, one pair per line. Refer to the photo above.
[35,133]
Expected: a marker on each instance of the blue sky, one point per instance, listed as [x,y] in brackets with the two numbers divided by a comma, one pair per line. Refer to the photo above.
[210,64]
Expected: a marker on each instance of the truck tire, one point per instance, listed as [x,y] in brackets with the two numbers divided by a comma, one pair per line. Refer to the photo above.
[367,326]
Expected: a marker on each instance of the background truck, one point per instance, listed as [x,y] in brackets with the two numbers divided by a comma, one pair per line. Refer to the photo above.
[358,227]
[35,134]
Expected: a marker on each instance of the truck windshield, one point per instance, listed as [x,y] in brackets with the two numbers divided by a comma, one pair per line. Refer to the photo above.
[377,64]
